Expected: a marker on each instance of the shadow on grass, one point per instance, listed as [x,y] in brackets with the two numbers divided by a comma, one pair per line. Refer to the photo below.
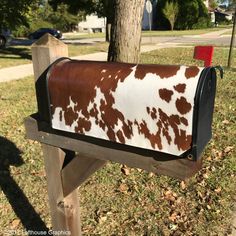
[10,155]
[16,53]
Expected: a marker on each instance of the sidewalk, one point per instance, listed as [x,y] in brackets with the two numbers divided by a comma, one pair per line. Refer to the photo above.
[22,71]
[214,34]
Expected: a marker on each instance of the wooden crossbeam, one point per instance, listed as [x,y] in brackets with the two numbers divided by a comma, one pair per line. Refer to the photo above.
[77,171]
[181,168]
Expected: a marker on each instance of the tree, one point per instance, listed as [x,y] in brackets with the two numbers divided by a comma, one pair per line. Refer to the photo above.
[126,31]
[232,43]
[213,4]
[14,13]
[126,24]
[103,8]
[171,11]
[191,14]
[62,19]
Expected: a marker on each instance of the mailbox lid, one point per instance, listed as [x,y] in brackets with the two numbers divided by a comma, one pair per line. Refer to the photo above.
[146,106]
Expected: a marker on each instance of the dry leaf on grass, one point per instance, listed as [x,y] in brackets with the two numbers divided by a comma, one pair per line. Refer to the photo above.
[228,149]
[102,219]
[150,175]
[123,188]
[125,170]
[15,223]
[225,122]
[173,217]
[169,195]
[183,185]
[218,190]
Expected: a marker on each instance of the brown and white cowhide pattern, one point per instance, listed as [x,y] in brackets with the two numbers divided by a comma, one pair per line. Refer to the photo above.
[146,106]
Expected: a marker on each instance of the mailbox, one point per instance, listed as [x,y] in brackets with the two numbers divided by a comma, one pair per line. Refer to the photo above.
[167,109]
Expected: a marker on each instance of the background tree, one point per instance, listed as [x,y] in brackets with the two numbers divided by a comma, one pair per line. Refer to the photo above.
[191,14]
[14,13]
[62,19]
[103,8]
[170,11]
[213,4]
[41,15]
[126,24]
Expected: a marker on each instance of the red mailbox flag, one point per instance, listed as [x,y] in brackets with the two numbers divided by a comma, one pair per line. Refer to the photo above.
[204,53]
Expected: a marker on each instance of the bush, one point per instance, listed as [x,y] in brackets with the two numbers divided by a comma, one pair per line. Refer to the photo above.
[202,23]
[192,14]
[24,31]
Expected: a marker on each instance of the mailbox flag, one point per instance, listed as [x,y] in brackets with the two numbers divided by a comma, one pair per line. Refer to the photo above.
[204,53]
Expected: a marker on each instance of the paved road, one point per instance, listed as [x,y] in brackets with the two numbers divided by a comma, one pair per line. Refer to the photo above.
[216,37]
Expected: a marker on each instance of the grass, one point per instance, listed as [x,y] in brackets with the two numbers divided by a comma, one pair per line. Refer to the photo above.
[18,55]
[151,33]
[84,36]
[13,56]
[179,32]
[75,50]
[111,202]
[185,55]
[229,32]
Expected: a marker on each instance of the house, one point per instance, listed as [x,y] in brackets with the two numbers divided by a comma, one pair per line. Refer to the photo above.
[92,24]
[207,4]
[223,16]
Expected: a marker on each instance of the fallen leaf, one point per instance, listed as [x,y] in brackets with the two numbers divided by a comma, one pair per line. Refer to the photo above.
[173,217]
[123,188]
[208,207]
[209,158]
[183,185]
[15,223]
[228,149]
[150,175]
[102,219]
[169,195]
[125,170]
[225,122]
[205,176]
[218,190]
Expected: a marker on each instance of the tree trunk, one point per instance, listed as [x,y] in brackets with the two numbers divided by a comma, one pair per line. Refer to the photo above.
[109,6]
[126,31]
[108,32]
[230,58]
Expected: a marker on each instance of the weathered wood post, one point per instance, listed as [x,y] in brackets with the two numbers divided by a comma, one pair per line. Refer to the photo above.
[64,210]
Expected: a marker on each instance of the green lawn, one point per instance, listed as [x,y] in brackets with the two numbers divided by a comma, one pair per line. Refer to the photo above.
[151,33]
[111,202]
[18,55]
[179,32]
[185,55]
[13,56]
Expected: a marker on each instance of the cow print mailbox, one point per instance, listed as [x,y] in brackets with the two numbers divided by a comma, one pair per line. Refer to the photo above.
[167,109]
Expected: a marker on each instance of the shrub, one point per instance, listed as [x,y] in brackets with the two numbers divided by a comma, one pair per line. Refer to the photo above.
[202,23]
[190,12]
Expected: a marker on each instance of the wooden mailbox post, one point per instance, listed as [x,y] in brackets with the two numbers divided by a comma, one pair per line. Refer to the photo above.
[70,161]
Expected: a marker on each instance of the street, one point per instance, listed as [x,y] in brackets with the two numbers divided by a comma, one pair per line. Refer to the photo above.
[214,38]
